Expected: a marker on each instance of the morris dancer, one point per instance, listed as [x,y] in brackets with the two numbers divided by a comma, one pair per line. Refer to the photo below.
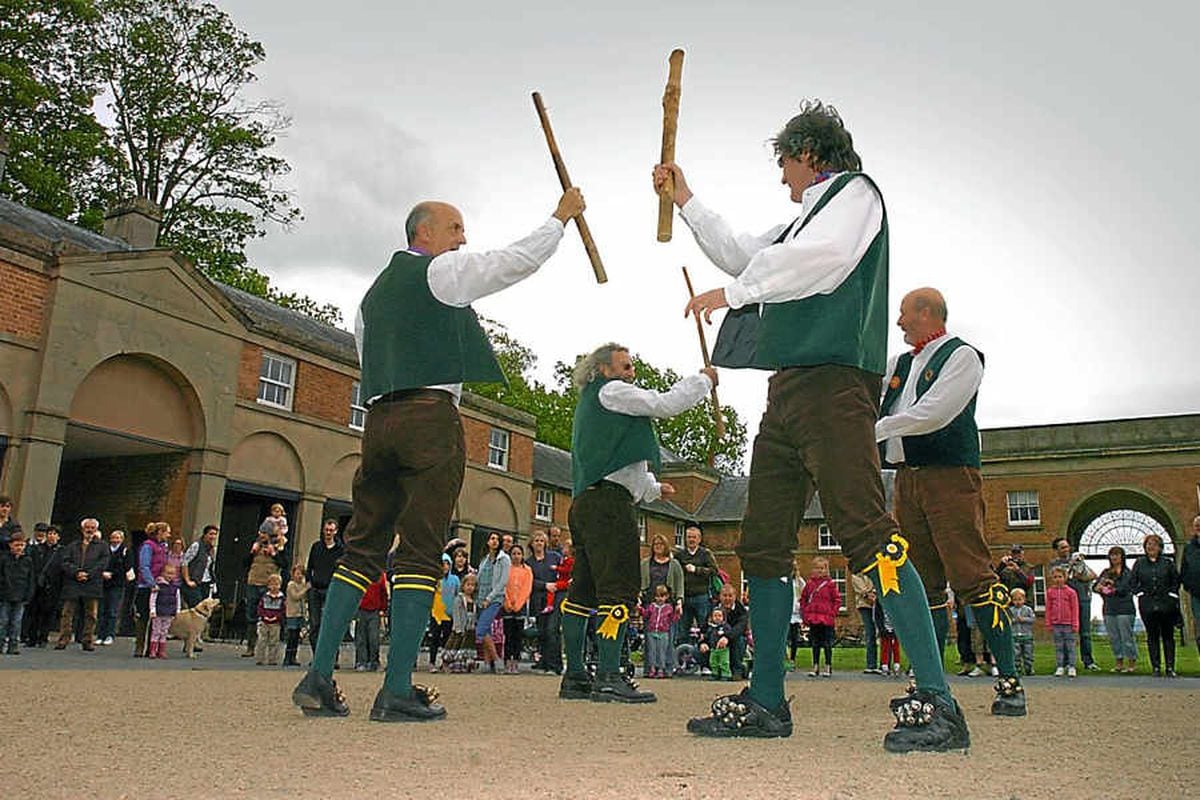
[418,342]
[822,281]
[927,427]
[613,449]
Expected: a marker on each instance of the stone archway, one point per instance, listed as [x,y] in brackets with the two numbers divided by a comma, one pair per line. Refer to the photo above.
[1147,511]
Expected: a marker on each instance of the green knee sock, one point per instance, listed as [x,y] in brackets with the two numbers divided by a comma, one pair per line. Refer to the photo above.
[770,612]
[996,626]
[411,604]
[941,629]
[608,641]
[574,630]
[909,611]
[341,604]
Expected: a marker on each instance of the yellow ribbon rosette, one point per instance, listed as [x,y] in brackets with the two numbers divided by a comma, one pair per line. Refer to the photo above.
[998,599]
[888,562]
[612,623]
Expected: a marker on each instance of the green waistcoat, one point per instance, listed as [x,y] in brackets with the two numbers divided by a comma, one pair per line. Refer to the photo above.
[957,444]
[411,339]
[846,326]
[603,441]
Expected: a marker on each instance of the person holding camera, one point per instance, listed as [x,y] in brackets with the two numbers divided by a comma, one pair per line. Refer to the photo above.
[266,558]
[1079,577]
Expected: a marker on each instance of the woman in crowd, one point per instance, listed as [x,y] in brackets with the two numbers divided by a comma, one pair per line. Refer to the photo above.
[542,561]
[1156,585]
[175,559]
[1115,586]
[493,581]
[661,568]
[516,599]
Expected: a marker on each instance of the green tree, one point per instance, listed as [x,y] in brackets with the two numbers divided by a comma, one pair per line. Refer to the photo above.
[692,435]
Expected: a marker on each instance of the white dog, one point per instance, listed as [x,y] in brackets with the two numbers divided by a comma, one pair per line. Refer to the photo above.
[191,622]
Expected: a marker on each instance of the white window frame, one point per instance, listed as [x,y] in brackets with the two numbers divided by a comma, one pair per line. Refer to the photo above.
[358,411]
[826,540]
[680,528]
[839,580]
[1039,590]
[1019,506]
[641,522]
[498,444]
[288,387]
[543,499]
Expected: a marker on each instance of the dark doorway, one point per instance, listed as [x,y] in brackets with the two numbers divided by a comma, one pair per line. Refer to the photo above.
[244,509]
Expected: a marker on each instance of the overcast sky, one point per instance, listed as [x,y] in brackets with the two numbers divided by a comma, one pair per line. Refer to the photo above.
[1037,161]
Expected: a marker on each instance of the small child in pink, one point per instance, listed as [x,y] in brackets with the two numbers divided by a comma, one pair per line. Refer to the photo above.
[563,571]
[164,605]
[1062,617]
[658,617]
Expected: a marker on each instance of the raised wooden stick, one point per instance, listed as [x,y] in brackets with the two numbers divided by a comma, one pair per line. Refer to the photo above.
[565,180]
[666,195]
[716,404]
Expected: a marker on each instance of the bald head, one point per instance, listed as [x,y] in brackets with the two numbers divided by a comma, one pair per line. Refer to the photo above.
[434,227]
[922,313]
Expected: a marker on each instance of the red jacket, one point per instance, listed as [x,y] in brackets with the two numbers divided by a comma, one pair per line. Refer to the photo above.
[376,596]
[1062,607]
[820,601]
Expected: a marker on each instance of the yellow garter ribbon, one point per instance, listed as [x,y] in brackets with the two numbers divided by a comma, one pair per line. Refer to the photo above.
[998,598]
[612,623]
[893,556]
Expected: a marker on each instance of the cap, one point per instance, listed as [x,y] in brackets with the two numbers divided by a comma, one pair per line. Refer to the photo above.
[41,526]
[1017,548]
[446,558]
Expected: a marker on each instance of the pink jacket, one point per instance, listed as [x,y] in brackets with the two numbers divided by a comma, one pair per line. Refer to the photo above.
[658,618]
[1062,607]
[820,601]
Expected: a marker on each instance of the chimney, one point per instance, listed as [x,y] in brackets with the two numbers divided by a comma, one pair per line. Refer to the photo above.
[134,222]
[3,155]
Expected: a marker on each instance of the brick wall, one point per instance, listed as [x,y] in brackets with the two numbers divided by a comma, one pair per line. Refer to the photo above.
[322,393]
[477,434]
[248,370]
[690,489]
[122,492]
[23,296]
[558,513]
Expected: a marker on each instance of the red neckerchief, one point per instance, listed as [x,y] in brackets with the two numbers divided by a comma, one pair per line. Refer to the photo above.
[919,346]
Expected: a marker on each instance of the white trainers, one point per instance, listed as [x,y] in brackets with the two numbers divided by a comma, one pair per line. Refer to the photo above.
[976,673]
[1070,672]
[1058,673]
[995,672]
[107,640]
[896,670]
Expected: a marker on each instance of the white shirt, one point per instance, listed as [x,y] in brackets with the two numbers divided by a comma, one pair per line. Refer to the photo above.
[808,262]
[625,398]
[459,278]
[956,384]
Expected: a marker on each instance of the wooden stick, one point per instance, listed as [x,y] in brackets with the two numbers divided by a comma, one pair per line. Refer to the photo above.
[716,404]
[670,102]
[565,180]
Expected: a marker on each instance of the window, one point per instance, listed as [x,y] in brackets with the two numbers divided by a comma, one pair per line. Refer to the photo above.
[1023,509]
[358,412]
[839,580]
[276,380]
[641,527]
[543,505]
[825,540]
[1039,590]
[680,527]
[498,449]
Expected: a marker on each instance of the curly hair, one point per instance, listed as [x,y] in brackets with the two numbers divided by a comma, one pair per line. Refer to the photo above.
[818,133]
[587,368]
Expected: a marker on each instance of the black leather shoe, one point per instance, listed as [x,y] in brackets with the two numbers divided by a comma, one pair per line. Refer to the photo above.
[617,687]
[926,722]
[1010,698]
[318,696]
[420,706]
[575,686]
[739,715]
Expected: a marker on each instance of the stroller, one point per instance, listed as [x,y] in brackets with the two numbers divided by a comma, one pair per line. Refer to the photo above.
[687,654]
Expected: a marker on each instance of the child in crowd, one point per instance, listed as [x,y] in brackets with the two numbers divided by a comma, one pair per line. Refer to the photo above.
[1022,626]
[819,603]
[563,571]
[658,617]
[276,524]
[796,625]
[297,592]
[373,605]
[716,645]
[440,622]
[458,654]
[18,582]
[271,611]
[1062,617]
[889,645]
[164,605]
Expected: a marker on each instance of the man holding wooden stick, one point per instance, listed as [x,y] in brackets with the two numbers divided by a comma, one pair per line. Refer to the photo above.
[822,284]
[418,342]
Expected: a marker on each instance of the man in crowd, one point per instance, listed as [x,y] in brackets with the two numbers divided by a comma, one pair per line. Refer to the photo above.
[322,559]
[43,611]
[8,525]
[83,564]
[699,567]
[809,302]
[614,453]
[1013,571]
[864,602]
[1189,576]
[199,565]
[736,620]
[418,341]
[1079,577]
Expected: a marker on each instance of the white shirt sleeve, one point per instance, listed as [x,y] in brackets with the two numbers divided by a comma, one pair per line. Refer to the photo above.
[729,251]
[956,384]
[459,278]
[625,398]
[816,259]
